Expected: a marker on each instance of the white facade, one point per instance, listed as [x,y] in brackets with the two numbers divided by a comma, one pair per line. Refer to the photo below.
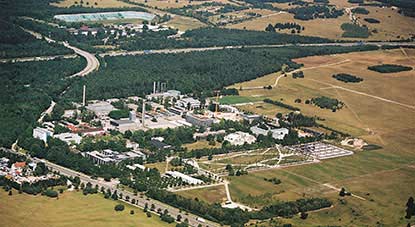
[100,108]
[240,138]
[42,134]
[278,133]
[184,177]
[69,138]
[185,102]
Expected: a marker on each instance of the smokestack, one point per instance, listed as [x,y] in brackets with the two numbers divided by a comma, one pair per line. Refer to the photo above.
[143,113]
[84,96]
[158,86]
[154,87]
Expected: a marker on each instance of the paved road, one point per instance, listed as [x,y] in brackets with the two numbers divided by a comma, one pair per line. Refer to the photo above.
[92,61]
[186,50]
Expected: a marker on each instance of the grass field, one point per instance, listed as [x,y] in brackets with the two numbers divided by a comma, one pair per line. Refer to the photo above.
[71,209]
[384,177]
[232,99]
[210,195]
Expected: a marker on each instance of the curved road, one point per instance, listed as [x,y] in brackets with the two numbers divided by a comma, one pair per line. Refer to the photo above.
[92,61]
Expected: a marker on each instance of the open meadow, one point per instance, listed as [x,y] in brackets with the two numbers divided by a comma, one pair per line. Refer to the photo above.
[71,209]
[382,112]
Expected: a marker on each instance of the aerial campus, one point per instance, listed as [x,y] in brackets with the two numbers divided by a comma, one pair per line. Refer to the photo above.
[207,113]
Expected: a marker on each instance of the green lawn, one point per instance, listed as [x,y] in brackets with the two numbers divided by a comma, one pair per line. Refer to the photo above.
[71,209]
[234,99]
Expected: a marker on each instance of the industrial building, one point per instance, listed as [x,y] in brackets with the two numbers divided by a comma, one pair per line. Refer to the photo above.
[199,120]
[188,103]
[240,138]
[42,133]
[100,108]
[277,133]
[168,94]
[184,177]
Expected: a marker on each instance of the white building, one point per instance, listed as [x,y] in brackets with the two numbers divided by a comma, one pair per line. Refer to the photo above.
[186,102]
[42,133]
[184,177]
[69,138]
[278,133]
[240,138]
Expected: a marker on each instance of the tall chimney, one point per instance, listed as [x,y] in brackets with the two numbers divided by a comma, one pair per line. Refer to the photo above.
[143,113]
[154,87]
[158,86]
[84,96]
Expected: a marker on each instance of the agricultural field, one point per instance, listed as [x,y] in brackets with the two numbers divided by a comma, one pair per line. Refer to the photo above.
[383,178]
[71,209]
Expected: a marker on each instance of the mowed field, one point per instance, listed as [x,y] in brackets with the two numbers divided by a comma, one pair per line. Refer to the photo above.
[215,194]
[71,209]
[384,178]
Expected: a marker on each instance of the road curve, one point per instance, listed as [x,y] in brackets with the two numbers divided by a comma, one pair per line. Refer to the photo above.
[92,61]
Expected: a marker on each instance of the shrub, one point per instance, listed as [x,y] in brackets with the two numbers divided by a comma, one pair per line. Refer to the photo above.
[119,207]
[50,193]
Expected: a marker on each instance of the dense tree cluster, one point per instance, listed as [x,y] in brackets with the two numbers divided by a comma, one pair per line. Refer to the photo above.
[347,78]
[299,74]
[389,68]
[316,11]
[360,10]
[354,31]
[327,103]
[281,104]
[372,20]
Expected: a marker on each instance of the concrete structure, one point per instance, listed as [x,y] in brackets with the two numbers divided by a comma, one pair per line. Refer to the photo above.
[199,120]
[184,177]
[240,138]
[105,16]
[100,108]
[71,113]
[108,156]
[278,133]
[251,117]
[188,102]
[69,138]
[135,166]
[124,125]
[168,94]
[42,134]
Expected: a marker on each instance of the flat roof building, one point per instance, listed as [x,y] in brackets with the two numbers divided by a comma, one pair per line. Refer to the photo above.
[184,177]
[188,102]
[278,133]
[240,138]
[42,134]
[199,120]
[69,138]
[101,108]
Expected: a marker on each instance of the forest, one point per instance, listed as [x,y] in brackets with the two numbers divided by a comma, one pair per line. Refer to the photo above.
[209,36]
[27,89]
[14,42]
[195,72]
